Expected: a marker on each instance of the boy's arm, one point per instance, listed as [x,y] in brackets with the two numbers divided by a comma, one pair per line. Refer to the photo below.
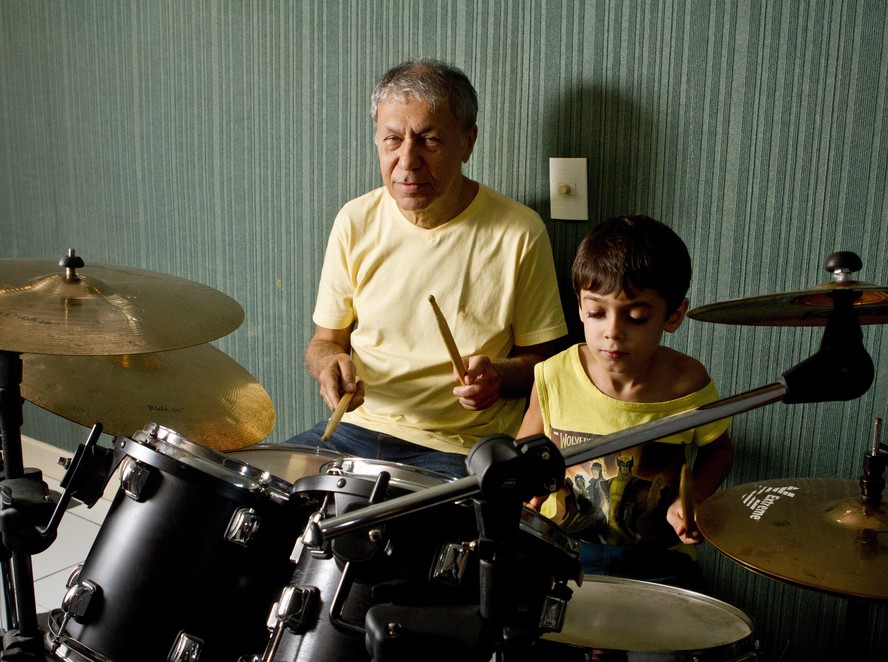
[531,425]
[711,467]
[533,417]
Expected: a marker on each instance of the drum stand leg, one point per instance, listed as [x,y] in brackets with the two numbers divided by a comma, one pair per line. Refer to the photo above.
[25,638]
[856,633]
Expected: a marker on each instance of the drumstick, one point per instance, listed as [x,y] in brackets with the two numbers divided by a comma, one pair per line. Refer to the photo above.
[686,495]
[336,416]
[455,356]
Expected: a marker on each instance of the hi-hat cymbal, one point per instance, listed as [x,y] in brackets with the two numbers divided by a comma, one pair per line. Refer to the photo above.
[200,392]
[812,532]
[47,307]
[802,308]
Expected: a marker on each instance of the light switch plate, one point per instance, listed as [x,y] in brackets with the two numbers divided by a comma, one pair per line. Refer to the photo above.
[568,189]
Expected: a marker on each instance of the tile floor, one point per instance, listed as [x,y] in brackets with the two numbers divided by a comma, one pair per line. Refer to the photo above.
[76,533]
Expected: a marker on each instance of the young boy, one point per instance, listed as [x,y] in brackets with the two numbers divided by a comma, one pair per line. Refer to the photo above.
[630,276]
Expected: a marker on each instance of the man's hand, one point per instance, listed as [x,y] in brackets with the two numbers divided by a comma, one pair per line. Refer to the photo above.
[482,384]
[329,362]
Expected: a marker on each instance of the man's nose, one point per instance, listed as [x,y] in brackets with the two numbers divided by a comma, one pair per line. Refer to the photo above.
[408,156]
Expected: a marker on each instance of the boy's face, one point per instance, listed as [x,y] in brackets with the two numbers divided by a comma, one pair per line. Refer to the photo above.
[623,332]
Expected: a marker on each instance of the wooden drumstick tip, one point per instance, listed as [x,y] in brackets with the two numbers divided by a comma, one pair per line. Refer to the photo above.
[455,356]
[336,416]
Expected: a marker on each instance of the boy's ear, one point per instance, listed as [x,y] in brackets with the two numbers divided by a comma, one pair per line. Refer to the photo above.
[677,317]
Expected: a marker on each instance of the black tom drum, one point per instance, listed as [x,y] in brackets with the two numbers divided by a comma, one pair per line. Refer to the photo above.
[187,563]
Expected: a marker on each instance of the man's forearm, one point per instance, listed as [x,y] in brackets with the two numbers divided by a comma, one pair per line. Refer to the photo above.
[319,353]
[516,374]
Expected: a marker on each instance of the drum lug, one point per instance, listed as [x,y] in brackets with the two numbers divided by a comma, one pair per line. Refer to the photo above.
[74,576]
[555,608]
[134,476]
[452,561]
[243,526]
[78,600]
[288,613]
[77,604]
[186,648]
[301,545]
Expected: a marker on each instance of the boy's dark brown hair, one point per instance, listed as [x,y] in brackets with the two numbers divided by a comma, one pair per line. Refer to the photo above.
[632,253]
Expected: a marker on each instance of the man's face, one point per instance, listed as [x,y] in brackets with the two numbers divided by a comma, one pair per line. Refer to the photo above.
[421,152]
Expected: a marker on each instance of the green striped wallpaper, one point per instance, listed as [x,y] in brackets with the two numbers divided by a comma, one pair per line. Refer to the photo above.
[215,140]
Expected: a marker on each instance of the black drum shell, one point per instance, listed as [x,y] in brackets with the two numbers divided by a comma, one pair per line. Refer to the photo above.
[163,565]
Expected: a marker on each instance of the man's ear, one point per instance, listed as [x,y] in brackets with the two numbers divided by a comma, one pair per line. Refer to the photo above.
[470,138]
[677,317]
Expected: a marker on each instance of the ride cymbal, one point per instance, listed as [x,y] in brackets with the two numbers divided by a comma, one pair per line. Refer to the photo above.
[200,392]
[804,307]
[50,308]
[812,532]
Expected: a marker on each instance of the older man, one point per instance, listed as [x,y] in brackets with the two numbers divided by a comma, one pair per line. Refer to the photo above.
[430,231]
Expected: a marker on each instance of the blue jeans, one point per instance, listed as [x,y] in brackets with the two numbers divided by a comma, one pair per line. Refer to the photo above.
[360,442]
[644,563]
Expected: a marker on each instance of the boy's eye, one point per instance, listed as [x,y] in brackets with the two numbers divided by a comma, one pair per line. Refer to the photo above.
[639,321]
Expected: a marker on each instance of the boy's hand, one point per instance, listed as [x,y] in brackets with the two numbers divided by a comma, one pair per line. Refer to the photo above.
[688,533]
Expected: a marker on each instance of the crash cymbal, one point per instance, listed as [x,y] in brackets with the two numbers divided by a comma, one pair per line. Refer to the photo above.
[52,308]
[804,307]
[200,392]
[812,532]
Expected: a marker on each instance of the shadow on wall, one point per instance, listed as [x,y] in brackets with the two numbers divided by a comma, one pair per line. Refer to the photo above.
[620,139]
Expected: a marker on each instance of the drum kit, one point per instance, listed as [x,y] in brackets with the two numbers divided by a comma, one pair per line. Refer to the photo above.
[218,547]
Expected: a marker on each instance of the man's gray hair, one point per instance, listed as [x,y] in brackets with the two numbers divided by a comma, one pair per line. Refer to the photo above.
[431,81]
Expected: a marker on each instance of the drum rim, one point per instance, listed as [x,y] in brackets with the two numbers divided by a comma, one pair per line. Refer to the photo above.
[236,473]
[346,466]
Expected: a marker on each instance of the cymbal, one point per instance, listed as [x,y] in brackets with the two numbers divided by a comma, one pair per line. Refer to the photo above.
[801,308]
[47,307]
[812,532]
[200,392]
[805,307]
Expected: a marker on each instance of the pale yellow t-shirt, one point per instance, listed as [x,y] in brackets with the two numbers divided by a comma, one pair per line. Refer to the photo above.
[492,274]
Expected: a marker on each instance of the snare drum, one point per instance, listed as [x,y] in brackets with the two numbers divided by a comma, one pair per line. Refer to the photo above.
[188,561]
[609,618]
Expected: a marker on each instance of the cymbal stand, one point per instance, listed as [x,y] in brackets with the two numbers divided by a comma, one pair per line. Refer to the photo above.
[24,634]
[29,516]
[872,483]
